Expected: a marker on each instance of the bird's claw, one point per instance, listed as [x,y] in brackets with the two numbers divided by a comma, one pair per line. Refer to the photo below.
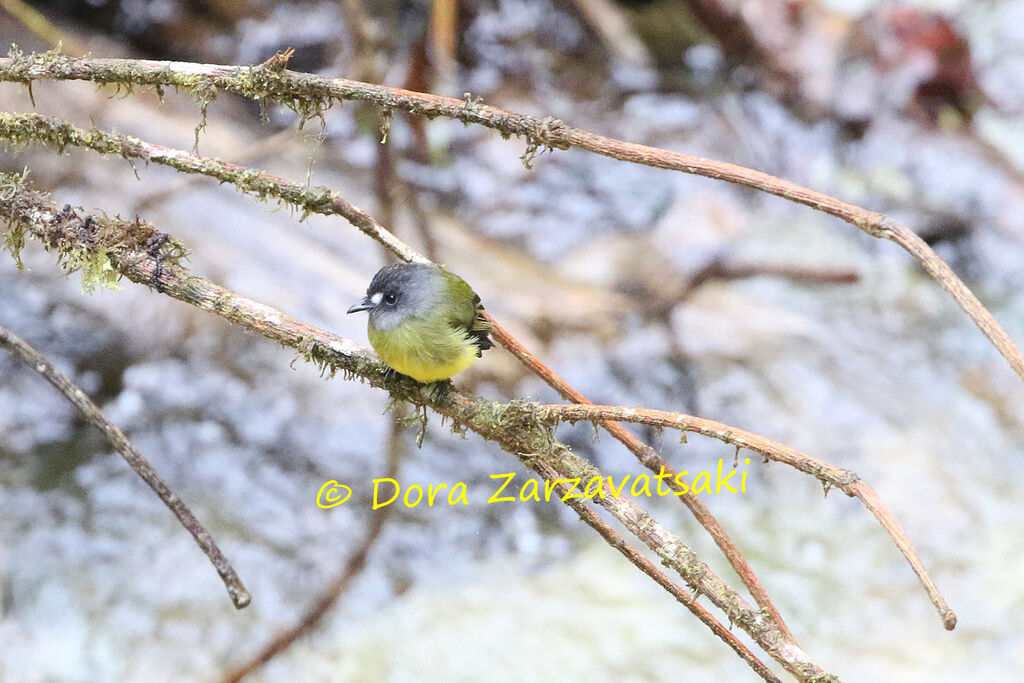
[439,390]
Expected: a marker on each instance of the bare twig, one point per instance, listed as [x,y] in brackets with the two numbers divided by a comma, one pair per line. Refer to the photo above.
[353,566]
[720,268]
[844,480]
[298,89]
[513,426]
[647,567]
[650,459]
[21,350]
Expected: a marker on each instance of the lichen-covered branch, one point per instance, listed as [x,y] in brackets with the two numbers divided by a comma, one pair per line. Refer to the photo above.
[522,429]
[33,127]
[74,394]
[357,559]
[24,128]
[647,567]
[20,129]
[310,95]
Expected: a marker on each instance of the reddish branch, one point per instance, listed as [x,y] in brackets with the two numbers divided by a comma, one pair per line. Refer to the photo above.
[294,88]
[845,480]
[650,459]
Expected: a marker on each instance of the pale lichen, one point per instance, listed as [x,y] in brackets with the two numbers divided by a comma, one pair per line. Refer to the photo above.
[92,245]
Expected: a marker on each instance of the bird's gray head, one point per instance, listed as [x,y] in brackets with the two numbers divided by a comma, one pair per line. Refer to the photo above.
[400,291]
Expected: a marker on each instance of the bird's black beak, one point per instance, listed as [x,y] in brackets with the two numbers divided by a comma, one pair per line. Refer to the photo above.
[364,305]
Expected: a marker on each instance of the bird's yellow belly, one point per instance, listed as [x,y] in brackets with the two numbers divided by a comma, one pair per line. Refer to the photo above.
[426,356]
[428,372]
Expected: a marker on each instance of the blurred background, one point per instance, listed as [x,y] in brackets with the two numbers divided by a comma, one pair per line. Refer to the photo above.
[640,286]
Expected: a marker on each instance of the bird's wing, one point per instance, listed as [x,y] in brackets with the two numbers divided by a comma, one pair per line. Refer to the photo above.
[468,314]
[480,327]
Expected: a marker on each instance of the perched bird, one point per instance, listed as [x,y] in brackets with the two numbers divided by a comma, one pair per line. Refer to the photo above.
[424,322]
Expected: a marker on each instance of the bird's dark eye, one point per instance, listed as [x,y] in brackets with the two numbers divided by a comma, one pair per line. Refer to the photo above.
[390,298]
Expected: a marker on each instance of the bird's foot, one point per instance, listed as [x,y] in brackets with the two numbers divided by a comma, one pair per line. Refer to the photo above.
[439,390]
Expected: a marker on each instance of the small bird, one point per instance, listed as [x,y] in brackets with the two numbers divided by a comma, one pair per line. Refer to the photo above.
[425,322]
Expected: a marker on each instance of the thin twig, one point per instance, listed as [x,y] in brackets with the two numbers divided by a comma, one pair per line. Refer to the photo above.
[21,350]
[650,459]
[353,566]
[830,475]
[292,88]
[721,268]
[647,567]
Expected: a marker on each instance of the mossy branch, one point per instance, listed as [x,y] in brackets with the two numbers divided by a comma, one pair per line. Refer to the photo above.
[523,429]
[310,95]
[22,129]
[25,128]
